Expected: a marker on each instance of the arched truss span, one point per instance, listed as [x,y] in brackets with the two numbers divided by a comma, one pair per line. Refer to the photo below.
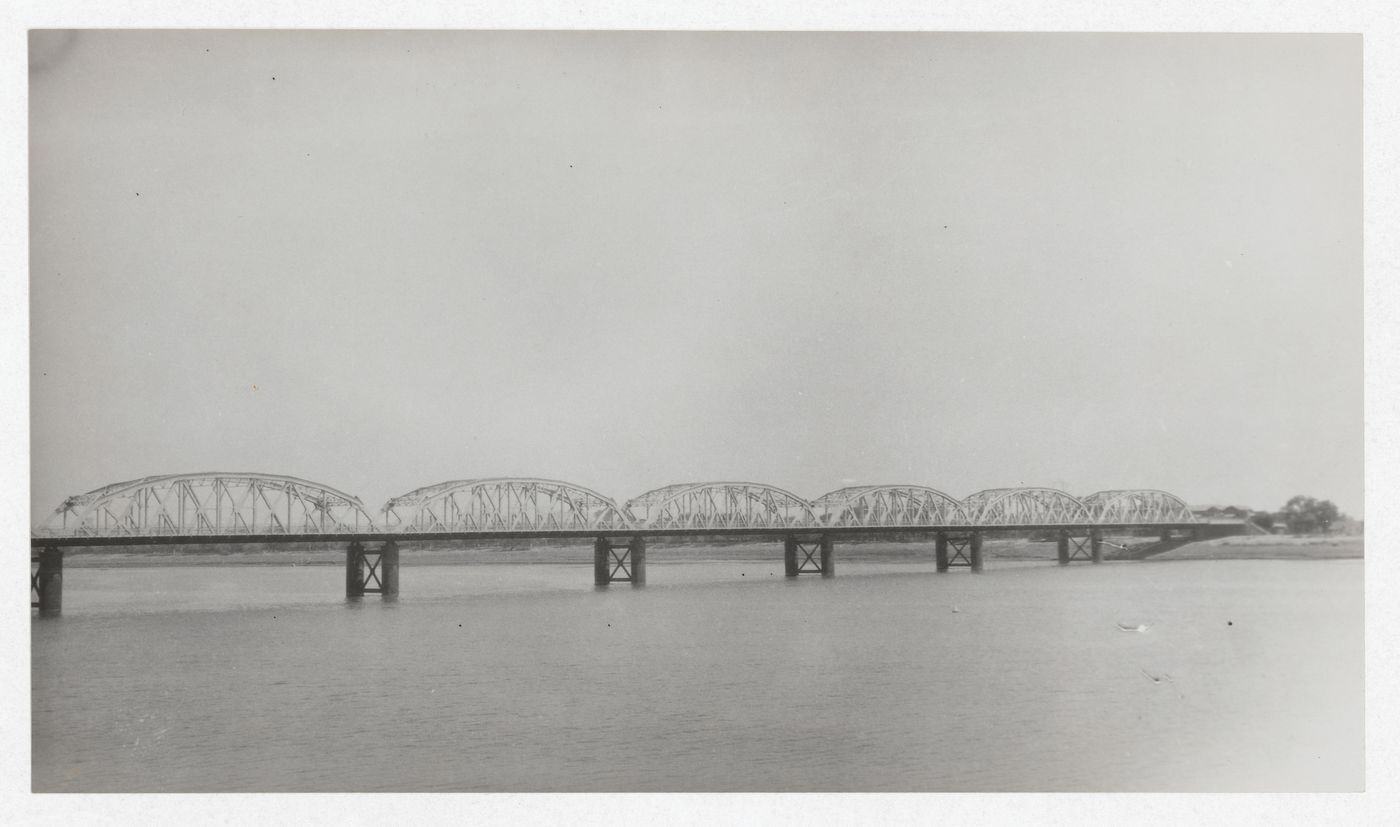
[1025,506]
[504,504]
[721,505]
[218,504]
[888,505]
[1137,507]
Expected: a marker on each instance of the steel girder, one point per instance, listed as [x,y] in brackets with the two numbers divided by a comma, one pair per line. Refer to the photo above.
[888,505]
[504,504]
[1138,507]
[1025,506]
[721,505]
[217,504]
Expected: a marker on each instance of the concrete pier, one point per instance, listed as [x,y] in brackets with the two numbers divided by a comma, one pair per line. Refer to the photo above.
[1083,544]
[389,569]
[379,575]
[355,570]
[975,550]
[48,582]
[619,562]
[809,555]
[602,566]
[637,550]
[955,550]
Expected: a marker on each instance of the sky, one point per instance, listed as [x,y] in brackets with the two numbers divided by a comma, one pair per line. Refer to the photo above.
[381,260]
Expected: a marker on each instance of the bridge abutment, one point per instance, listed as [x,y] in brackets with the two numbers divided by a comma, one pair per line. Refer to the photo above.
[46,582]
[623,561]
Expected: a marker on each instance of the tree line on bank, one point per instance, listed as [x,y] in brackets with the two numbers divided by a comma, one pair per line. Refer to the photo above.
[1303,515]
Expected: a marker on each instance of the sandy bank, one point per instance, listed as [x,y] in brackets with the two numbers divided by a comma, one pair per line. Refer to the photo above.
[1270,548]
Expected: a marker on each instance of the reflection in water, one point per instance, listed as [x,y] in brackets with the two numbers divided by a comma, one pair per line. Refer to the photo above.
[718,676]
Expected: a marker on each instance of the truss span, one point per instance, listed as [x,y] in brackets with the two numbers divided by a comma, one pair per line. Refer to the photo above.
[721,505]
[1137,507]
[209,504]
[503,504]
[1025,506]
[888,506]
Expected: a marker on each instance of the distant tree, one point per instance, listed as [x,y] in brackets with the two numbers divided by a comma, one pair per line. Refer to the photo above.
[1305,515]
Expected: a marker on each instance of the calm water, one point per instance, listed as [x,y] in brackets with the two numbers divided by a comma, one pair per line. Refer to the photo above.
[716,676]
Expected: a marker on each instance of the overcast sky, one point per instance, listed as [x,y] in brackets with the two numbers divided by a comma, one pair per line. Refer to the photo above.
[384,260]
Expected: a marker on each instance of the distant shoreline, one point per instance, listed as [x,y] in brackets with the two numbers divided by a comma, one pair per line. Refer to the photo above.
[1270,548]
[1229,548]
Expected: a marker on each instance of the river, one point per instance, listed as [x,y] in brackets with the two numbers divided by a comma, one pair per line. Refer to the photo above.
[717,676]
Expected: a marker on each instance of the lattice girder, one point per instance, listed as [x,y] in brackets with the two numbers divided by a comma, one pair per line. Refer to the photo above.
[888,506]
[1137,507]
[1025,506]
[504,504]
[721,505]
[209,504]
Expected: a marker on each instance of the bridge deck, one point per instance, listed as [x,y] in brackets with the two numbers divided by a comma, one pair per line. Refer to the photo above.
[581,534]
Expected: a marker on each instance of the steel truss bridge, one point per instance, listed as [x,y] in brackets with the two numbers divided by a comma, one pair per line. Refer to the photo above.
[217,508]
[232,507]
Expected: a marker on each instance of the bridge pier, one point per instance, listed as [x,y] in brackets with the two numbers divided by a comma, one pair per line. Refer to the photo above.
[624,561]
[1088,547]
[46,582]
[389,568]
[809,556]
[637,548]
[372,572]
[355,570]
[951,550]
